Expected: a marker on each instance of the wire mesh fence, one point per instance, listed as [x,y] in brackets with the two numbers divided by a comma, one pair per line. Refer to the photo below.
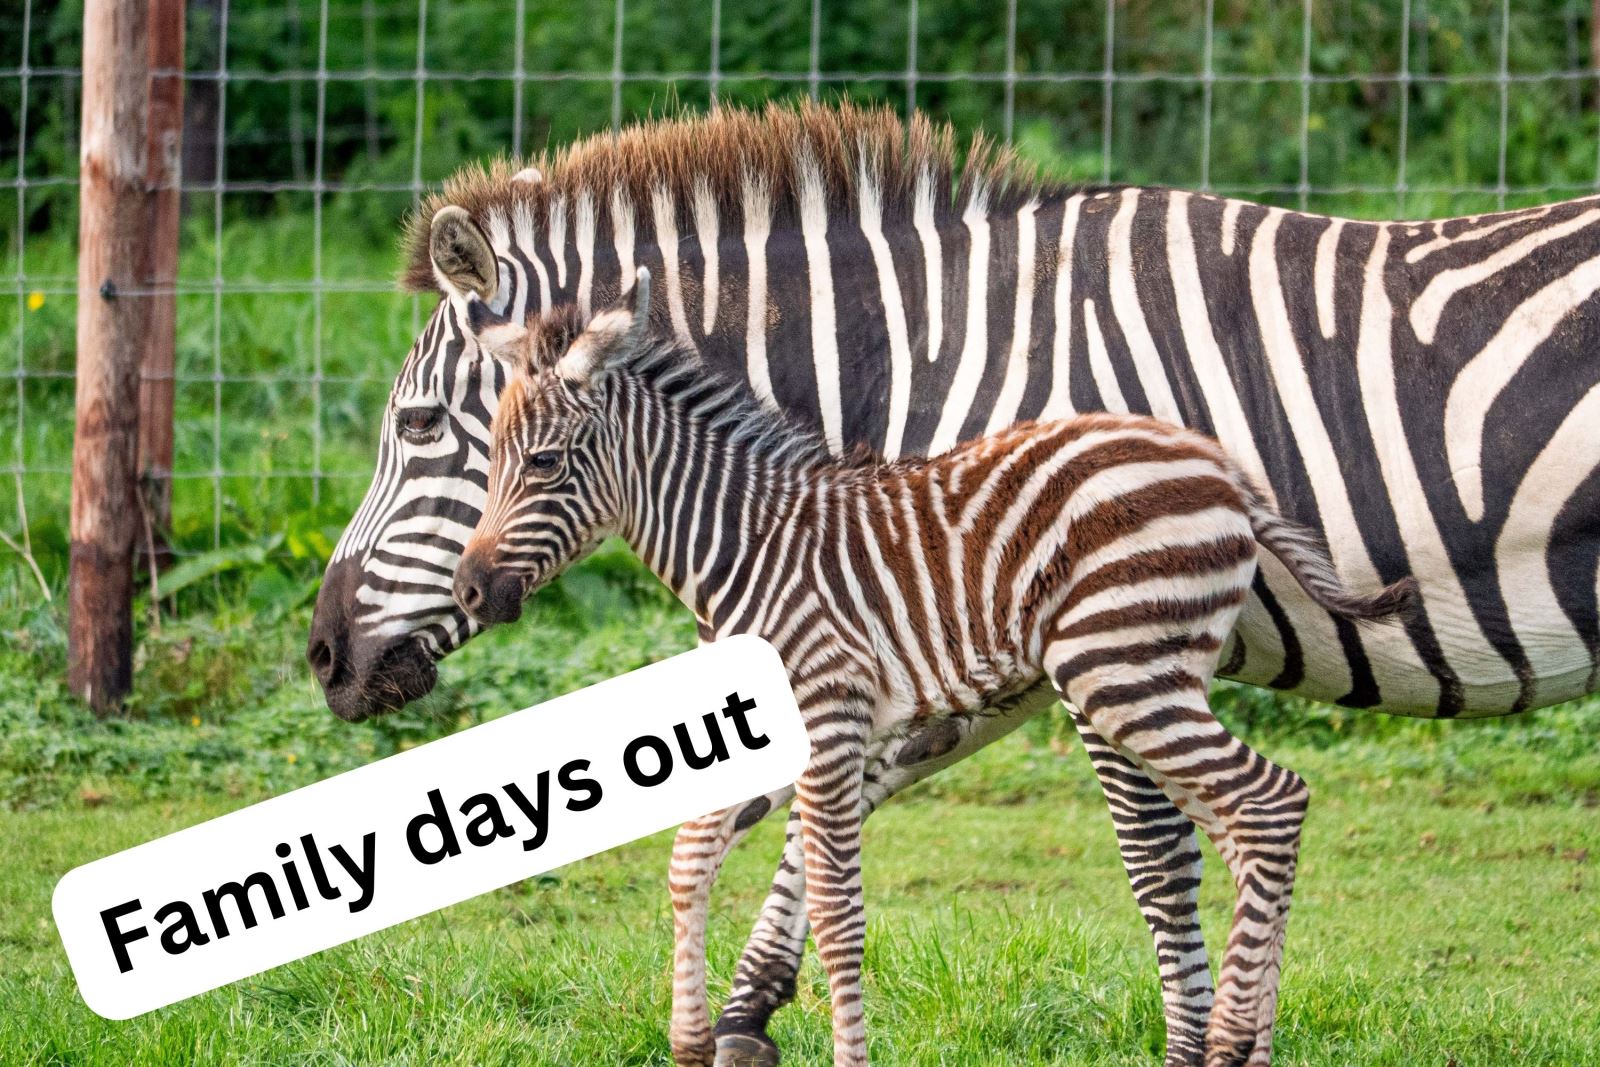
[311,126]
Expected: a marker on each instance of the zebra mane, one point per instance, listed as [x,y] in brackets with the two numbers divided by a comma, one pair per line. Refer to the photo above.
[726,407]
[719,155]
[717,402]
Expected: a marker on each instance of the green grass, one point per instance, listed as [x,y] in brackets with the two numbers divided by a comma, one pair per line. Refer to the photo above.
[1446,911]
[1002,932]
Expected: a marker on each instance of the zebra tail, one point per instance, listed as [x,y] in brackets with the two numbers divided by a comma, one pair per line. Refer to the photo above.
[1302,552]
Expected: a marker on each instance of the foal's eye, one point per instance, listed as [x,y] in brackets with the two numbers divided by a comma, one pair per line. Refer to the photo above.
[543,462]
[419,424]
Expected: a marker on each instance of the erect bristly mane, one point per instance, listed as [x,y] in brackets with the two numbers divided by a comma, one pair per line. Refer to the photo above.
[725,405]
[676,372]
[716,155]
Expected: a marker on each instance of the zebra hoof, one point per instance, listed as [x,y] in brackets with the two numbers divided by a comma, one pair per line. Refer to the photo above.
[746,1050]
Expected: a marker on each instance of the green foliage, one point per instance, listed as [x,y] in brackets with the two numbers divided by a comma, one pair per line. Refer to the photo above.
[225,704]
[1159,128]
[217,561]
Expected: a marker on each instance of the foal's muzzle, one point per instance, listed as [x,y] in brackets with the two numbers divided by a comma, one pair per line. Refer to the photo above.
[488,592]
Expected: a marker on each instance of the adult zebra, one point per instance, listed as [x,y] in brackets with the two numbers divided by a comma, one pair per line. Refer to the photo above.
[1422,394]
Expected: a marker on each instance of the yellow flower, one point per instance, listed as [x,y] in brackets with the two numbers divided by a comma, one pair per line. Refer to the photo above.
[35,300]
[293,758]
[195,721]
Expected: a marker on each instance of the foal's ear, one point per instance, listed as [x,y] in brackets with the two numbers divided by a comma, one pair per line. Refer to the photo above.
[610,337]
[496,334]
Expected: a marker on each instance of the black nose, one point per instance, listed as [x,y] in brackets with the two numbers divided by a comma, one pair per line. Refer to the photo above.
[328,643]
[323,661]
[486,592]
[471,587]
[469,594]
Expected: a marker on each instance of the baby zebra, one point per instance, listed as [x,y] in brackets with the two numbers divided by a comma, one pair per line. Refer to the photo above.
[1107,556]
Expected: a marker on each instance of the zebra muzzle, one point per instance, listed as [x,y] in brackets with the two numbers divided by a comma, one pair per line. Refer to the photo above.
[487,592]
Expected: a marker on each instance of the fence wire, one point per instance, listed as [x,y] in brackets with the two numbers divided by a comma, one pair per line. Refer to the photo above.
[311,126]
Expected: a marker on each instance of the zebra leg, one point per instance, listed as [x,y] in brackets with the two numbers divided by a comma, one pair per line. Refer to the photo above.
[770,965]
[1267,1009]
[765,980]
[697,855]
[828,800]
[1149,699]
[1161,854]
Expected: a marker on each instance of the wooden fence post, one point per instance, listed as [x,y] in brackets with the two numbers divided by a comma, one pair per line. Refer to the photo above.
[113,235]
[163,169]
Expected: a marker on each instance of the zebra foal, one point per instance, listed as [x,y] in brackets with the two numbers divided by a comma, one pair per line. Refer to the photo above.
[1105,556]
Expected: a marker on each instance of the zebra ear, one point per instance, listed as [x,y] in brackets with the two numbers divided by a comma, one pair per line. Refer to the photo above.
[496,334]
[610,337]
[463,261]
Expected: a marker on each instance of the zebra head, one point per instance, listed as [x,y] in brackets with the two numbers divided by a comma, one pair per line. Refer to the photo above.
[552,492]
[385,615]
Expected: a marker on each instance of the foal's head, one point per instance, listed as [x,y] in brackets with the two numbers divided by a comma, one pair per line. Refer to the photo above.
[551,496]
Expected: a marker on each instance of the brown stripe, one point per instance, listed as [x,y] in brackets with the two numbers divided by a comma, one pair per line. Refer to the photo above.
[1127,512]
[1178,561]
[1170,611]
[1051,500]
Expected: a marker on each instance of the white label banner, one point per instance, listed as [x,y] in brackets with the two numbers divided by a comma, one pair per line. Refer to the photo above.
[430,827]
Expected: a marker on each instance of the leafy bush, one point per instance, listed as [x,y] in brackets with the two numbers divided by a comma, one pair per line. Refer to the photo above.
[225,702]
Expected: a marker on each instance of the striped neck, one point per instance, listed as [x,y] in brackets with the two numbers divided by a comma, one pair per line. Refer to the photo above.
[704,475]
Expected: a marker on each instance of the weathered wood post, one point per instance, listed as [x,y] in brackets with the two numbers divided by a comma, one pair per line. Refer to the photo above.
[113,234]
[163,169]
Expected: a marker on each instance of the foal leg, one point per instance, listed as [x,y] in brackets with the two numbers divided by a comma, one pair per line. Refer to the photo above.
[765,980]
[828,799]
[1147,696]
[697,855]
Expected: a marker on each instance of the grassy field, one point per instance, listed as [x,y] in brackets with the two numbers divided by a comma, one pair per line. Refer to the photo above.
[1448,907]
[1427,929]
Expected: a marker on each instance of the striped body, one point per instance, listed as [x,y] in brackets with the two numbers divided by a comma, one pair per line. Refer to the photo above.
[1418,393]
[1106,556]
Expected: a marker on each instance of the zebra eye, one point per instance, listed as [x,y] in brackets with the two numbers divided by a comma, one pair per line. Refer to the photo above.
[542,462]
[419,425]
